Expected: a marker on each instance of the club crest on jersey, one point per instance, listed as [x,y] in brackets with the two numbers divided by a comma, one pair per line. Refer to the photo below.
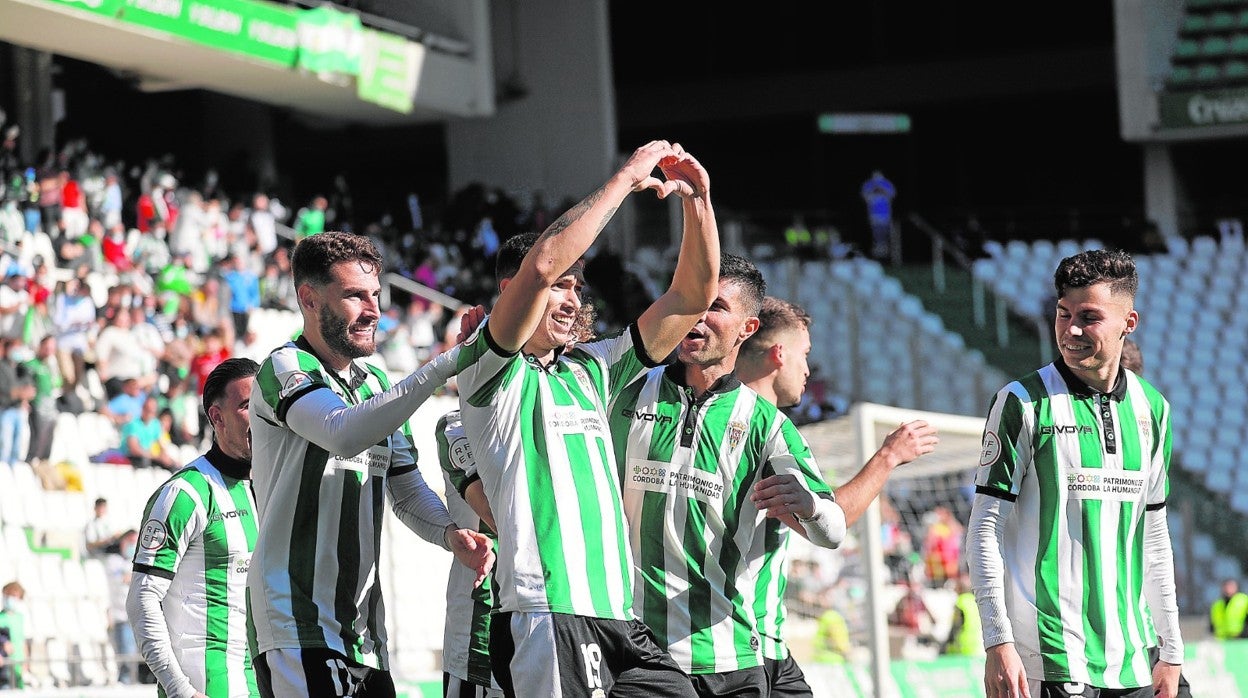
[153,535]
[736,430]
[991,449]
[293,383]
[578,371]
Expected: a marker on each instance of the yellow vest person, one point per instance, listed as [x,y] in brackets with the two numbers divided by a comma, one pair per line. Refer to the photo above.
[966,637]
[1227,615]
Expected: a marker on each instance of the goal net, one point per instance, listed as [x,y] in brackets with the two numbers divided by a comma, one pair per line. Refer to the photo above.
[909,540]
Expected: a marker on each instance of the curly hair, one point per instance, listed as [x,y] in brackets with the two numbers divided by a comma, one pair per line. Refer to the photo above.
[1091,267]
[315,255]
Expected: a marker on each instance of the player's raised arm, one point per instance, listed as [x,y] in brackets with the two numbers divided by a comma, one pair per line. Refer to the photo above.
[522,301]
[695,281]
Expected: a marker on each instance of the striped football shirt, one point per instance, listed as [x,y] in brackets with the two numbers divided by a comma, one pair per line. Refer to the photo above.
[466,636]
[199,532]
[313,582]
[544,455]
[1081,468]
[688,467]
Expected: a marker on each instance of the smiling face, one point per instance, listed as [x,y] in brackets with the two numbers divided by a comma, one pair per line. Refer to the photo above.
[1090,327]
[563,305]
[718,334]
[347,311]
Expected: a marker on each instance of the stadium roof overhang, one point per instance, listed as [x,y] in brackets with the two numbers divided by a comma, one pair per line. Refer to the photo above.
[447,85]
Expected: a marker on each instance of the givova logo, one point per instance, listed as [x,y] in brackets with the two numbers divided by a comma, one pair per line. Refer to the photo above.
[1065,429]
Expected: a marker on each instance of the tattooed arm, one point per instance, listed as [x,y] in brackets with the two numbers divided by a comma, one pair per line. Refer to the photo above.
[522,301]
[695,283]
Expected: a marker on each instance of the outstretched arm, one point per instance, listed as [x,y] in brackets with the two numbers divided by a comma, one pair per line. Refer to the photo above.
[521,303]
[695,281]
[906,443]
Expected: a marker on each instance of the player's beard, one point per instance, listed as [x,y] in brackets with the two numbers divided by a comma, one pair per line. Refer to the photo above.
[335,332]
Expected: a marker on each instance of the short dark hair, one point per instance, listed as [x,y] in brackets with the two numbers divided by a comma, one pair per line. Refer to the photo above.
[225,373]
[776,317]
[316,254]
[511,255]
[1092,267]
[742,272]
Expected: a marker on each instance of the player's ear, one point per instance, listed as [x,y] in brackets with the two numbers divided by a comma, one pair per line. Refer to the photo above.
[1133,321]
[776,354]
[307,296]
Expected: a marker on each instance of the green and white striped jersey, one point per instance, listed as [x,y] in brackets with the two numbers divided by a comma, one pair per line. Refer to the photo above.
[543,451]
[199,531]
[688,467]
[1081,468]
[466,638]
[313,581]
[773,581]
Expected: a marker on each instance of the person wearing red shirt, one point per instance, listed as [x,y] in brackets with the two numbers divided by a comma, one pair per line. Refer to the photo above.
[212,354]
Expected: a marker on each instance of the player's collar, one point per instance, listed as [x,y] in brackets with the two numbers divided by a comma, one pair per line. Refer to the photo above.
[229,467]
[726,383]
[1078,387]
[358,373]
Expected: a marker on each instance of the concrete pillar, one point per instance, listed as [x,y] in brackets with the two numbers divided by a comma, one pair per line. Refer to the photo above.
[1163,196]
[31,73]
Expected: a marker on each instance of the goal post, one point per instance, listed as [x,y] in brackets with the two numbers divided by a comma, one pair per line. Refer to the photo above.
[944,477]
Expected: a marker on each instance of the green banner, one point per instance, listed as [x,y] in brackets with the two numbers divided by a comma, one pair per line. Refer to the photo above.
[107,8]
[330,41]
[389,70]
[255,29]
[1205,108]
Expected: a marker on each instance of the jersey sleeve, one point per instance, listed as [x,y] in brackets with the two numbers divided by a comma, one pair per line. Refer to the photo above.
[175,516]
[1006,448]
[484,369]
[287,375]
[454,452]
[619,359]
[787,452]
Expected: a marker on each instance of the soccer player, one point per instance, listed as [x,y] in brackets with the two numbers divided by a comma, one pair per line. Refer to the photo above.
[772,362]
[187,594]
[466,638]
[536,417]
[329,442]
[1068,537]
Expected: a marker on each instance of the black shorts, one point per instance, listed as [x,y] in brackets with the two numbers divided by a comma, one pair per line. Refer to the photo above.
[742,683]
[1066,689]
[556,654]
[318,673]
[786,679]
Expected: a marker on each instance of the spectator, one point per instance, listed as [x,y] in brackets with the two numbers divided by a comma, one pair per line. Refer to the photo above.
[965,633]
[120,356]
[263,224]
[912,613]
[310,220]
[101,536]
[13,645]
[878,193]
[244,290]
[213,352]
[119,566]
[110,208]
[73,319]
[942,546]
[144,440]
[126,404]
[16,391]
[1227,615]
[14,302]
[43,413]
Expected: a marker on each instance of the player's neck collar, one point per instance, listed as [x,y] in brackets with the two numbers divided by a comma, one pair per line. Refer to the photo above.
[229,467]
[1082,389]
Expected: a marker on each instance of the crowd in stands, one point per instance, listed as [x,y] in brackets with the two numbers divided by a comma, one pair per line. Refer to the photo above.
[122,286]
